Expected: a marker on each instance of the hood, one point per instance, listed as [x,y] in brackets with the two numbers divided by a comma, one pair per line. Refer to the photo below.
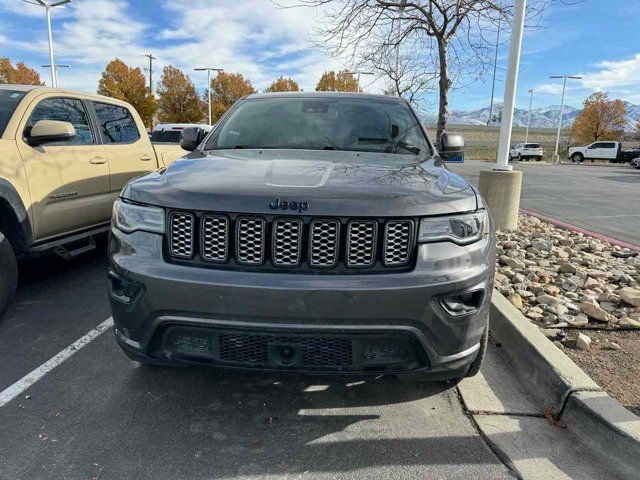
[328,182]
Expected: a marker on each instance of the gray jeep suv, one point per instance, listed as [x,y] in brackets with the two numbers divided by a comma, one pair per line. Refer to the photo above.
[314,232]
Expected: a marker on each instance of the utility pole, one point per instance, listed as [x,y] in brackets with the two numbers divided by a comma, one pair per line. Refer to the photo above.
[556,157]
[151,59]
[526,136]
[209,70]
[57,67]
[495,67]
[48,7]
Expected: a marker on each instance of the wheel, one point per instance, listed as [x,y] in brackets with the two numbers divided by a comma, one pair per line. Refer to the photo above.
[519,157]
[577,158]
[477,363]
[538,159]
[8,273]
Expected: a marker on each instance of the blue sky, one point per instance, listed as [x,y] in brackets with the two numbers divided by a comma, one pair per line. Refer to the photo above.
[595,38]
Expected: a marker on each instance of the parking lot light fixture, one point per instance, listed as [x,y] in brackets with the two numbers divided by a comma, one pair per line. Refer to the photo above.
[48,6]
[208,69]
[358,73]
[556,157]
[58,66]
[526,136]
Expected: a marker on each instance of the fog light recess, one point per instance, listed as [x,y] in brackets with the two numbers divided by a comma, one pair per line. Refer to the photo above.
[463,303]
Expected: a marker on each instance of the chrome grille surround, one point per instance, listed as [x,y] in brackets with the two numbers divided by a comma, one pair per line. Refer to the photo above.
[361,243]
[398,240]
[250,240]
[181,234]
[214,238]
[324,243]
[286,242]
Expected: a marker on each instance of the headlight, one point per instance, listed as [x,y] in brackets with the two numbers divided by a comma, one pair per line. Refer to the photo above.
[129,217]
[460,229]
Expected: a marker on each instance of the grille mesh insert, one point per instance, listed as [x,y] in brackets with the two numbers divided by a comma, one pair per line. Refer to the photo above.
[215,235]
[361,243]
[316,351]
[397,242]
[287,242]
[324,250]
[250,241]
[181,234]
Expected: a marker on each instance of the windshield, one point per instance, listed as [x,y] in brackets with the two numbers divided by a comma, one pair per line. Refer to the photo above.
[354,124]
[166,136]
[9,100]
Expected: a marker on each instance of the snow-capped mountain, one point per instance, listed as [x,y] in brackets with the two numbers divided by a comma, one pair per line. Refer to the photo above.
[543,117]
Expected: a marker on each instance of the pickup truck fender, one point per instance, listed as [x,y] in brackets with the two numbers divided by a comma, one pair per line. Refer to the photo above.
[14,219]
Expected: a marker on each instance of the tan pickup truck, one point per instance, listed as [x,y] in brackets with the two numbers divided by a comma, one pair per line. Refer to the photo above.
[64,158]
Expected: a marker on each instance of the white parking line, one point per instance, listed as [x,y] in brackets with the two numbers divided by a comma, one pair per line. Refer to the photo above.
[30,378]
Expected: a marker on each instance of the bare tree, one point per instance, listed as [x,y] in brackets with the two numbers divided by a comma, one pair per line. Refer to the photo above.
[452,33]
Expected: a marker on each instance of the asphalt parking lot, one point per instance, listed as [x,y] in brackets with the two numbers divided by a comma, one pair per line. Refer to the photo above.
[603,199]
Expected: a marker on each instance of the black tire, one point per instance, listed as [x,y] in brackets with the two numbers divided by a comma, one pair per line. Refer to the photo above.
[538,159]
[519,157]
[8,273]
[477,363]
[577,158]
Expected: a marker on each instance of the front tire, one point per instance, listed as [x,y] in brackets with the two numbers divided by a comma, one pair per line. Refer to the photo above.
[577,158]
[8,273]
[477,363]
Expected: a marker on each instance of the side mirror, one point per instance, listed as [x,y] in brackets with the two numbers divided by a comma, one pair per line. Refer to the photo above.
[190,138]
[451,148]
[48,131]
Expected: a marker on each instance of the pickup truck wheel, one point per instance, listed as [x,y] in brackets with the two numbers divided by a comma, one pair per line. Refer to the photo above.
[8,273]
[477,363]
[577,158]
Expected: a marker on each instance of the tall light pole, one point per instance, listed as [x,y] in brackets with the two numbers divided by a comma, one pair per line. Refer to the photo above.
[48,7]
[358,73]
[501,186]
[57,67]
[495,67]
[208,69]
[556,157]
[526,136]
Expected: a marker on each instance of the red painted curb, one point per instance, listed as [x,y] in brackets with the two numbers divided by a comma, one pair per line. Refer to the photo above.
[568,226]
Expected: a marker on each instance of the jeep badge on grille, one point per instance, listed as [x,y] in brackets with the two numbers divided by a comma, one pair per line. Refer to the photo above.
[289,205]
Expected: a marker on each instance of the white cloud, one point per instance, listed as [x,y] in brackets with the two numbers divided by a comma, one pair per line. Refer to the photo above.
[614,74]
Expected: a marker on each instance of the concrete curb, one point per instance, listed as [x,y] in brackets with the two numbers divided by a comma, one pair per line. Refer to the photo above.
[611,430]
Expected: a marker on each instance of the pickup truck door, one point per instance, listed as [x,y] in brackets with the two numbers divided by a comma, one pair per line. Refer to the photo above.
[68,181]
[592,150]
[608,150]
[126,143]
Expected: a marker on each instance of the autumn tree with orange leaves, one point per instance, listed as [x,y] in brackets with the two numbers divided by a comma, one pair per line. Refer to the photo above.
[283,84]
[343,81]
[18,75]
[600,119]
[226,89]
[178,100]
[128,83]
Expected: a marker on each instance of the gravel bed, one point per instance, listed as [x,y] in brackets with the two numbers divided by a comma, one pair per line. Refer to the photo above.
[583,293]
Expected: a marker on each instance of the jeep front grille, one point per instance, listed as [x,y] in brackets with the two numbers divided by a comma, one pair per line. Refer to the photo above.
[329,245]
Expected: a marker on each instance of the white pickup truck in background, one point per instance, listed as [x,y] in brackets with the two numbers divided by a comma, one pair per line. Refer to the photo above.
[611,151]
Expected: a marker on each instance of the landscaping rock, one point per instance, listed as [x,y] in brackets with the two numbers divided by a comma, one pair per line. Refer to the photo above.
[516,300]
[608,345]
[630,295]
[594,311]
[583,342]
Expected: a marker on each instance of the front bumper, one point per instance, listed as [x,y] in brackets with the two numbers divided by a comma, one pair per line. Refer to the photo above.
[287,310]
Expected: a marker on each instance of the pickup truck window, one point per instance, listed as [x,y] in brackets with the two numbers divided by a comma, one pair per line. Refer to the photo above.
[367,125]
[608,145]
[116,123]
[166,136]
[9,100]
[65,110]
